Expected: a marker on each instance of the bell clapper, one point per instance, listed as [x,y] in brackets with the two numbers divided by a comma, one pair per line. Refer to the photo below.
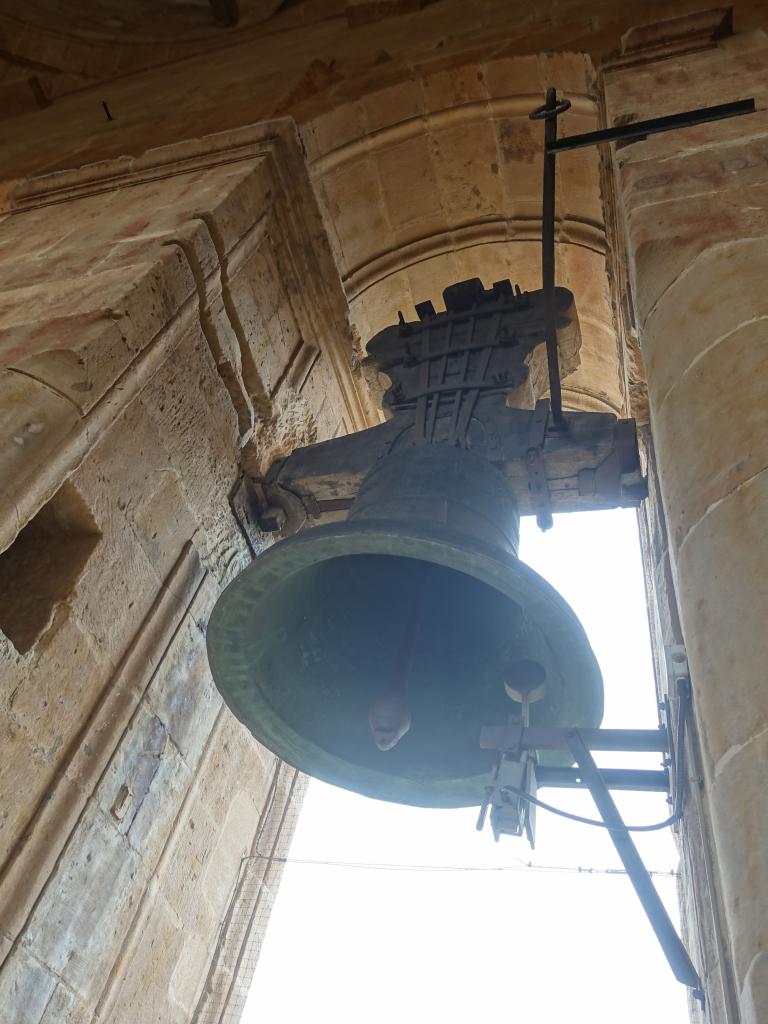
[390,715]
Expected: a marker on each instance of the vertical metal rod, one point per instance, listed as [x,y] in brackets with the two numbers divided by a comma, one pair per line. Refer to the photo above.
[674,950]
[548,255]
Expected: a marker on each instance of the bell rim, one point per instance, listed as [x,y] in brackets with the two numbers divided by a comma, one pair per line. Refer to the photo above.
[547,607]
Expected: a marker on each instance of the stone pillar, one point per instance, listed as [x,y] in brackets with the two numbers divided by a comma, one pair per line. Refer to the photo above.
[695,206]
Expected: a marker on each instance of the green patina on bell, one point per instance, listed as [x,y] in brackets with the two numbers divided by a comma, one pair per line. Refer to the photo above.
[303,642]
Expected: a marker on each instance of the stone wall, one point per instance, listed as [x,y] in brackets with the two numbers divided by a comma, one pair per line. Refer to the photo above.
[161,319]
[694,206]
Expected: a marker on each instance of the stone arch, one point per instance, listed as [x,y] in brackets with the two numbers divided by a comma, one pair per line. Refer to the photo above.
[438,178]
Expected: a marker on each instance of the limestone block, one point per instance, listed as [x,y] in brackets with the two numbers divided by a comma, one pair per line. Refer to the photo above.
[55,688]
[144,994]
[352,196]
[33,421]
[182,693]
[338,127]
[707,473]
[189,974]
[519,148]
[196,424]
[718,162]
[754,995]
[668,240]
[236,202]
[234,761]
[735,68]
[719,291]
[78,335]
[455,87]
[143,787]
[118,584]
[578,172]
[408,182]
[512,75]
[466,159]
[26,988]
[722,570]
[232,844]
[317,402]
[64,1007]
[194,418]
[79,923]
[24,778]
[194,843]
[131,464]
[740,813]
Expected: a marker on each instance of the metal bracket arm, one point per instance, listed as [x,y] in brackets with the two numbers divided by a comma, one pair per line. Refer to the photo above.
[674,950]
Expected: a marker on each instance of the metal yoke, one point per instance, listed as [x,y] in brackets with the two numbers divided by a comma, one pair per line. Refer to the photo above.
[450,374]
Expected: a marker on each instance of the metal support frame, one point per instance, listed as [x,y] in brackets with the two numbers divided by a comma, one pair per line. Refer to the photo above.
[670,941]
[516,742]
[638,130]
[549,113]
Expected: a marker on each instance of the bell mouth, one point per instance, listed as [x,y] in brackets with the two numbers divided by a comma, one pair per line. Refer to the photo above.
[304,640]
[314,631]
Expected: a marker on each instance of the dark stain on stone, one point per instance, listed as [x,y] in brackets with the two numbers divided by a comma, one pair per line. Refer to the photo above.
[518,143]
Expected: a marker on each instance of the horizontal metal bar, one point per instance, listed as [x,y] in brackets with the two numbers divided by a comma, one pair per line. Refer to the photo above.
[638,779]
[641,129]
[543,738]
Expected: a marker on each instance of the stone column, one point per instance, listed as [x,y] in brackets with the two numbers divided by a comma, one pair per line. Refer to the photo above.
[695,205]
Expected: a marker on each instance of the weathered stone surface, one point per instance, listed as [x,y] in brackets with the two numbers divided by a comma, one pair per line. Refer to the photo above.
[23,770]
[33,420]
[145,994]
[741,840]
[697,232]
[122,818]
[755,991]
[708,473]
[717,293]
[54,697]
[189,711]
[723,619]
[27,988]
[78,924]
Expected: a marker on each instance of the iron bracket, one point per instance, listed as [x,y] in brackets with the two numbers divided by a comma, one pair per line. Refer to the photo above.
[549,112]
[671,943]
[515,742]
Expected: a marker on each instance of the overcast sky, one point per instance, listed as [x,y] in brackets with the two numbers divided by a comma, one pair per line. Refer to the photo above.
[506,942]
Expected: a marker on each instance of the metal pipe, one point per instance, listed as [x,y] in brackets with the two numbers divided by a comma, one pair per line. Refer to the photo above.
[637,779]
[544,738]
[640,130]
[548,255]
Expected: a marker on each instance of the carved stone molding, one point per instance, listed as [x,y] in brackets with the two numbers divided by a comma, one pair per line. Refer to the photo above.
[75,355]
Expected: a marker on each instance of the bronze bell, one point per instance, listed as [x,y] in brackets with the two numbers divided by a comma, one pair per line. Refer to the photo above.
[420,588]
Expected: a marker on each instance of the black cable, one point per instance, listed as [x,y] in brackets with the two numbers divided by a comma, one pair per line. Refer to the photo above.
[592,821]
